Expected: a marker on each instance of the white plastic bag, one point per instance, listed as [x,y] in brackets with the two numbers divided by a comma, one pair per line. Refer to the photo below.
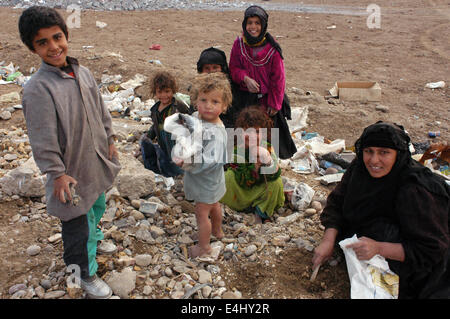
[188,137]
[302,196]
[369,279]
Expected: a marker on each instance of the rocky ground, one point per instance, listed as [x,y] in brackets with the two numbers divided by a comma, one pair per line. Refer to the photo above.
[272,260]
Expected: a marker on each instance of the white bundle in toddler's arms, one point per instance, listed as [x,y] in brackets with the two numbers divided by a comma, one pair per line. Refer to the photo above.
[187,132]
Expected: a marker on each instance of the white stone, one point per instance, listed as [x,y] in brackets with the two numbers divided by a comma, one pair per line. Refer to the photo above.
[54,238]
[122,283]
[204,276]
[133,181]
[5,115]
[25,180]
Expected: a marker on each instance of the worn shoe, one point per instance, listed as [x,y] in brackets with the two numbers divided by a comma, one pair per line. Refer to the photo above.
[106,248]
[96,288]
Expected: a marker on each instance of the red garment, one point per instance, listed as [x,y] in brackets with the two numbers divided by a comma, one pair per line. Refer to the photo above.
[262,64]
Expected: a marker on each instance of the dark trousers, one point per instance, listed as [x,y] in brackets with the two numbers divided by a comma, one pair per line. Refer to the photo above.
[75,235]
[80,237]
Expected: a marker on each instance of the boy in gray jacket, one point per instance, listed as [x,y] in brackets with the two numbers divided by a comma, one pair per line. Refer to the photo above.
[70,132]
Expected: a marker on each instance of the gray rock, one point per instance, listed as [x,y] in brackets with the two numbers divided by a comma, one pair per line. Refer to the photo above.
[10,157]
[382,108]
[122,283]
[25,180]
[143,260]
[145,235]
[13,289]
[33,250]
[250,250]
[54,294]
[133,181]
[46,284]
[5,115]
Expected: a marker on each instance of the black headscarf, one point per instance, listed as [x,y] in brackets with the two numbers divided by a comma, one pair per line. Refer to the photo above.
[257,11]
[213,56]
[371,201]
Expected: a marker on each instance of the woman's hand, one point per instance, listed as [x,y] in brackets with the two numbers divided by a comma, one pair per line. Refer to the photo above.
[322,253]
[271,111]
[61,185]
[365,248]
[252,85]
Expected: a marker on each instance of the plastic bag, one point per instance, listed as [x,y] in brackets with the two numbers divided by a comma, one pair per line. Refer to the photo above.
[302,196]
[369,279]
[186,130]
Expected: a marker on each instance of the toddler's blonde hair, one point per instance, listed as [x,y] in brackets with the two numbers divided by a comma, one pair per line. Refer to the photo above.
[205,83]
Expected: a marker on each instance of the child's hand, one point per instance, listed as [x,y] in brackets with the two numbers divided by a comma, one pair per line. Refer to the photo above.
[113,152]
[178,161]
[262,155]
[61,185]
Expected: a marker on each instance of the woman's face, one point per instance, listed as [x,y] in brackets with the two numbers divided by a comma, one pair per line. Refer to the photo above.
[253,26]
[379,160]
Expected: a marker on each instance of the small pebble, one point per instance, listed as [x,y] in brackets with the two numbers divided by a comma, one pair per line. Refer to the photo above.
[33,250]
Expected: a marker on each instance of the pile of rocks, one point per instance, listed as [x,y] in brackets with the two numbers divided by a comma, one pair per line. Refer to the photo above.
[130,5]
[151,225]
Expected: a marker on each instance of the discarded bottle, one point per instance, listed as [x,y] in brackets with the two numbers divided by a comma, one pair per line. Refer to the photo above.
[325,164]
[307,136]
[434,134]
[336,159]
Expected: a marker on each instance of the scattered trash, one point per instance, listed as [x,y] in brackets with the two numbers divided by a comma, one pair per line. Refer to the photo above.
[331,27]
[303,161]
[155,47]
[330,179]
[338,159]
[434,134]
[86,47]
[356,91]
[321,148]
[435,85]
[100,24]
[137,81]
[157,62]
[299,116]
[302,196]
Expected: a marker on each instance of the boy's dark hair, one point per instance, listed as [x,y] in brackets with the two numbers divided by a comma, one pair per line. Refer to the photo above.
[38,17]
[163,80]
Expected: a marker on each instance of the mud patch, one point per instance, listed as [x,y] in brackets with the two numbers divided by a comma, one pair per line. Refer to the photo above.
[288,276]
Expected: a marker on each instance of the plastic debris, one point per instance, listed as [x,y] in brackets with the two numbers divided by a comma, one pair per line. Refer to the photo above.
[100,24]
[155,47]
[330,179]
[435,85]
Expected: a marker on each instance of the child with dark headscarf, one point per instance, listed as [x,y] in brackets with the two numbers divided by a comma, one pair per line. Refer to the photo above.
[398,209]
[214,60]
[257,68]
